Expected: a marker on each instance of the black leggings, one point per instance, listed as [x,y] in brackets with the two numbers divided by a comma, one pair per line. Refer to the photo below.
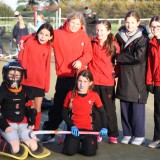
[85,144]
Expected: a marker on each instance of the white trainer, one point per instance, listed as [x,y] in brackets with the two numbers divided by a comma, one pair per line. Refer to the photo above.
[154,144]
[126,139]
[138,141]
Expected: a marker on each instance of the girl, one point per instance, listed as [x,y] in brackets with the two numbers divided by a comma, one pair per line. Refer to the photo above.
[79,103]
[16,120]
[131,88]
[153,76]
[40,21]
[105,48]
[35,59]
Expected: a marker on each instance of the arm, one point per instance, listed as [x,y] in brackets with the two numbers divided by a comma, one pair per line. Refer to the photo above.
[3,123]
[149,69]
[31,115]
[103,116]
[15,31]
[86,56]
[65,115]
[134,55]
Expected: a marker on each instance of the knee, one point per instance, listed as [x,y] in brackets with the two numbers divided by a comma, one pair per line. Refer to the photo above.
[15,146]
[90,153]
[69,152]
[32,144]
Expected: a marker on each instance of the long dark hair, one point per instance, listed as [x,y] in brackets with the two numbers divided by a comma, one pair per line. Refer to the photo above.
[108,44]
[87,74]
[47,26]
[132,14]
[155,18]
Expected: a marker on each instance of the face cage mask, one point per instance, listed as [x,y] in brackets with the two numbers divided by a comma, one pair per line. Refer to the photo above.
[14,83]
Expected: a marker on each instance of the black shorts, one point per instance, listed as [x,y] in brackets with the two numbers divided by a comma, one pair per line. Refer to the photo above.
[36,92]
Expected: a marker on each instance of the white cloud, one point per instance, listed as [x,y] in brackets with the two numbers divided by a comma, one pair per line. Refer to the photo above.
[11,3]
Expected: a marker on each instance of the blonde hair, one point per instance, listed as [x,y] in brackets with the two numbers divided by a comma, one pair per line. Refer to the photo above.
[76,15]
[42,17]
[21,22]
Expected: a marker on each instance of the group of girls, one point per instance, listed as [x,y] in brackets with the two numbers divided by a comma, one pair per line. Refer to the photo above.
[107,57]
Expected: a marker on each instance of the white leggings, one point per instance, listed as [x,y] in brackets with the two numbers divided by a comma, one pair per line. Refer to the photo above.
[20,132]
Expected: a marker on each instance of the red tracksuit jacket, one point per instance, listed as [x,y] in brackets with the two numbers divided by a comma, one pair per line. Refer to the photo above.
[35,58]
[101,66]
[153,69]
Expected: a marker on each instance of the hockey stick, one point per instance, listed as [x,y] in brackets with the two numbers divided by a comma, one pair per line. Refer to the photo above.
[32,134]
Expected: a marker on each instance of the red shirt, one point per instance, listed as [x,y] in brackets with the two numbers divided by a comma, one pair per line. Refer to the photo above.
[82,108]
[101,66]
[35,58]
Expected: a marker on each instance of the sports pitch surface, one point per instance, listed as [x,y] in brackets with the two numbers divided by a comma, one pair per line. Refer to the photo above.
[106,151]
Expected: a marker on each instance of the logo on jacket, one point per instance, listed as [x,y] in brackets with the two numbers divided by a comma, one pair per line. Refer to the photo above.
[90,102]
[17,108]
[109,96]
[82,44]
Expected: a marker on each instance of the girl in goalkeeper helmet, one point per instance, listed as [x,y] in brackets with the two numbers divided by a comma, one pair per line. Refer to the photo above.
[16,120]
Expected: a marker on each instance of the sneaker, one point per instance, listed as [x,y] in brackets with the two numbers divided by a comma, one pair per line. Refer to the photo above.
[138,141]
[113,140]
[126,139]
[154,144]
[99,138]
[46,138]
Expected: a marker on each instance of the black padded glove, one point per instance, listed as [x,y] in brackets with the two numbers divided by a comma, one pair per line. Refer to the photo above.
[150,88]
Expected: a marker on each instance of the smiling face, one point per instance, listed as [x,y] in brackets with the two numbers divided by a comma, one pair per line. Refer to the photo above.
[44,36]
[83,84]
[102,32]
[75,25]
[155,29]
[131,24]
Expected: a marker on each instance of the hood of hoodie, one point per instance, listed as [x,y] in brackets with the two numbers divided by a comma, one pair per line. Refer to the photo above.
[67,28]
[128,40]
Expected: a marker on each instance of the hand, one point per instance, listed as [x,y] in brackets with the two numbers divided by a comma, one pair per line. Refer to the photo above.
[103,132]
[77,64]
[75,131]
[150,88]
[31,127]
[14,39]
[9,129]
[21,44]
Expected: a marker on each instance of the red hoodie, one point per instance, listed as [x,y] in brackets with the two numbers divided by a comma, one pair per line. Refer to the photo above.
[35,58]
[69,47]
[153,68]
[101,66]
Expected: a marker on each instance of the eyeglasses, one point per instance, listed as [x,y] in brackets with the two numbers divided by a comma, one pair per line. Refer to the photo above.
[155,27]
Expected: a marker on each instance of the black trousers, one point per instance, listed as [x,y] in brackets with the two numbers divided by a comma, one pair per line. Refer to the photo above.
[84,144]
[63,86]
[156,113]
[107,95]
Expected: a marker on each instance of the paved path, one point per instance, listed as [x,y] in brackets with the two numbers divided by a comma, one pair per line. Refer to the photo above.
[106,151]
